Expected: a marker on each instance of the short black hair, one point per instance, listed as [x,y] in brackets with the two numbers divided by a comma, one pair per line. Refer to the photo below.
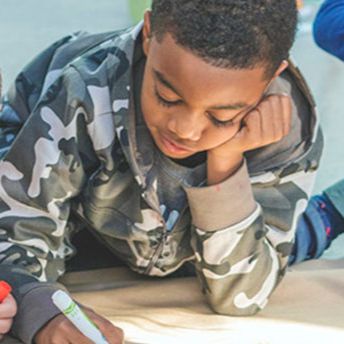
[239,34]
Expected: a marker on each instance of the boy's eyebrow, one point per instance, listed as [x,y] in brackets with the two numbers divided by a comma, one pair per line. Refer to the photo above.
[166,83]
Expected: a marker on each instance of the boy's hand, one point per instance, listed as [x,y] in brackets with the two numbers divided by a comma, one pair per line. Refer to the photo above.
[8,309]
[267,123]
[60,330]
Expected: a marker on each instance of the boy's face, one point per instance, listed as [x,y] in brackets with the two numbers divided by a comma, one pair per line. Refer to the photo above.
[189,105]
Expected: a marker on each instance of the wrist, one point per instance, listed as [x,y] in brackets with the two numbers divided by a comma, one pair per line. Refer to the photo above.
[220,168]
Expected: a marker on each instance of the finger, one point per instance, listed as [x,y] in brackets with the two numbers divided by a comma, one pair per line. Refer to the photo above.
[287,111]
[251,132]
[8,307]
[58,335]
[73,334]
[282,113]
[56,341]
[5,325]
[113,334]
[281,117]
[60,330]
[277,119]
[268,119]
[77,336]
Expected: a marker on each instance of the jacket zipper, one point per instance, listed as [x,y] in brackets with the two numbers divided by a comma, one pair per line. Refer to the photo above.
[160,248]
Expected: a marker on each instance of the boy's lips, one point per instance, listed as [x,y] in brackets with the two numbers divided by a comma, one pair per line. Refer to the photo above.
[174,147]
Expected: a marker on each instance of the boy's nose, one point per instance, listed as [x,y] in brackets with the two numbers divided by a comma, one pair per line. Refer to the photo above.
[186,126]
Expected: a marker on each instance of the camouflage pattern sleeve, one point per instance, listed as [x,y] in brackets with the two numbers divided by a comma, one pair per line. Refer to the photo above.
[243,232]
[41,172]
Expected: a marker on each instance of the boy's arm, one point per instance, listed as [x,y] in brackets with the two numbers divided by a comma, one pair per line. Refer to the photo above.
[329,27]
[39,175]
[242,234]
[240,263]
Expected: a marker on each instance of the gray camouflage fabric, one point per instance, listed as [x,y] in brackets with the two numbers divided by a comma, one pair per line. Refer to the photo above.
[70,159]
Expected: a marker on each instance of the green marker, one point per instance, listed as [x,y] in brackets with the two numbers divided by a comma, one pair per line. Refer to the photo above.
[80,320]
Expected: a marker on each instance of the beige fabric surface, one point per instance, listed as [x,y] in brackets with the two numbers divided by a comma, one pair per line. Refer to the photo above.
[308,307]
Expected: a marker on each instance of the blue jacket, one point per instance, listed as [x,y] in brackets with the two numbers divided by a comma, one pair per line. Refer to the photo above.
[328,27]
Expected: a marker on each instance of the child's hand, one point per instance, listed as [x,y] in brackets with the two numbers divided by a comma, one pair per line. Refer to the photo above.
[61,330]
[8,309]
[267,123]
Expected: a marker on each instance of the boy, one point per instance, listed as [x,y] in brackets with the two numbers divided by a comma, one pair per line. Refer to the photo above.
[323,219]
[173,142]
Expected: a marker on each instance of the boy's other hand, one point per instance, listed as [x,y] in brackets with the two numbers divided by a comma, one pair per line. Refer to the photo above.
[60,330]
[8,309]
[267,123]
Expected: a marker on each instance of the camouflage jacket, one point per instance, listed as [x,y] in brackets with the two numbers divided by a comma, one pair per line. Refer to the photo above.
[69,155]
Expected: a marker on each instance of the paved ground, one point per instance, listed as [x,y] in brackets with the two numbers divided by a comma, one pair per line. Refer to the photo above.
[28,26]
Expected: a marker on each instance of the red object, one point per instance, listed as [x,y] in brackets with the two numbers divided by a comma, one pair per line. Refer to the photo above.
[5,289]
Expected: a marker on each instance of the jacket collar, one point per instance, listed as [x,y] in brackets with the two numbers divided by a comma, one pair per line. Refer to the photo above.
[123,106]
[122,96]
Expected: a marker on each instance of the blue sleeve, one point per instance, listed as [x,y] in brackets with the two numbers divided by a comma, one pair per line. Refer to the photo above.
[328,27]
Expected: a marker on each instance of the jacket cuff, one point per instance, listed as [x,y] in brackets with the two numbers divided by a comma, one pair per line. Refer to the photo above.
[35,310]
[222,205]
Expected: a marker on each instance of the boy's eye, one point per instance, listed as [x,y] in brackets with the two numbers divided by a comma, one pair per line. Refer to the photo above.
[170,103]
[165,102]
[218,123]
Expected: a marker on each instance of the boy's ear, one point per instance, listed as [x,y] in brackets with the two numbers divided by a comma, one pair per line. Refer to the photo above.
[283,66]
[146,32]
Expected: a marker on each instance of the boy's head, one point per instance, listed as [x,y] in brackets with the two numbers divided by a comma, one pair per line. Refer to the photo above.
[229,33]
[210,57]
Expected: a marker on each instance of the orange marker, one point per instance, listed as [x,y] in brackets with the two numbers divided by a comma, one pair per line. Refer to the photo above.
[5,289]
